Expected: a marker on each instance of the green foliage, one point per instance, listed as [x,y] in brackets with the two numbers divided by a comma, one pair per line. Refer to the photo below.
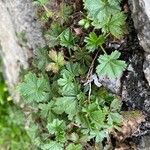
[52,35]
[41,58]
[34,89]
[114,25]
[82,56]
[13,135]
[101,9]
[57,127]
[69,111]
[74,147]
[94,41]
[107,15]
[67,38]
[68,105]
[40,2]
[110,65]
[64,13]
[52,146]
[85,23]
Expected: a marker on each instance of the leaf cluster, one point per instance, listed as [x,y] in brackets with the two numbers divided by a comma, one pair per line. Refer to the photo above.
[71,113]
[106,15]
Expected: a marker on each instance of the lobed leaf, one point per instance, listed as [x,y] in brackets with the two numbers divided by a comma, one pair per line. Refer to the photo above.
[110,65]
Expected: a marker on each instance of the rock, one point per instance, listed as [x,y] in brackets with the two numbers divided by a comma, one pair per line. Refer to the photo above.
[17,16]
[113,85]
[141,17]
[135,89]
[146,67]
[144,143]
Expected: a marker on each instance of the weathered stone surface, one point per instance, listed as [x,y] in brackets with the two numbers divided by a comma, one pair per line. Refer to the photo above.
[141,17]
[17,16]
[146,67]
[114,85]
[135,89]
[144,143]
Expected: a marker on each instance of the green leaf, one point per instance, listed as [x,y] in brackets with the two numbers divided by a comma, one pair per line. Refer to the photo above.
[40,2]
[94,41]
[52,35]
[85,23]
[115,25]
[53,145]
[34,89]
[67,82]
[73,69]
[115,105]
[83,56]
[114,118]
[58,61]
[101,9]
[56,126]
[110,65]
[74,147]
[67,105]
[41,58]
[64,12]
[98,117]
[46,110]
[99,135]
[67,39]
[106,14]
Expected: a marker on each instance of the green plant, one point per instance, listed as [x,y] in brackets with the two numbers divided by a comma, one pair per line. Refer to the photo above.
[52,35]
[41,58]
[94,41]
[106,15]
[64,13]
[85,23]
[13,135]
[71,111]
[110,65]
[67,38]
[34,89]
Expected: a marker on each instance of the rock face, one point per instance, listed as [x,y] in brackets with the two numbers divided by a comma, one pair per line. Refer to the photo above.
[17,17]
[141,17]
[146,67]
[136,84]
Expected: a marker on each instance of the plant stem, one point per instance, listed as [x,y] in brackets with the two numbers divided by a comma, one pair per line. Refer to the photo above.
[103,50]
[46,9]
[69,50]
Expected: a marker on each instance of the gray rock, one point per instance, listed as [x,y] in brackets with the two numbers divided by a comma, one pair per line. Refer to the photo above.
[17,16]
[135,89]
[146,67]
[144,143]
[113,85]
[141,17]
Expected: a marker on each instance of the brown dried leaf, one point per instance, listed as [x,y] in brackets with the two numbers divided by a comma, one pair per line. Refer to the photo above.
[130,125]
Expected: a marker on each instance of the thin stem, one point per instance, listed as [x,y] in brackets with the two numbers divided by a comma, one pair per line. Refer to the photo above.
[103,50]
[46,9]
[69,50]
[89,95]
[107,35]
